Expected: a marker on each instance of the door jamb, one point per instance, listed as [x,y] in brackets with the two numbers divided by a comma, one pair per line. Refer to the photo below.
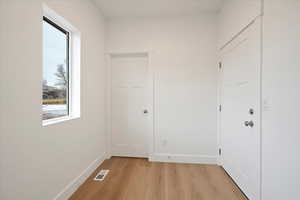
[219,115]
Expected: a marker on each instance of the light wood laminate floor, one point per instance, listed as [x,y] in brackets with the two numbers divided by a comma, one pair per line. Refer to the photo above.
[138,179]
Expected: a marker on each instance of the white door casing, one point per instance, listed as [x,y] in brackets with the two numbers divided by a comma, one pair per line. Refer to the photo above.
[131,105]
[240,92]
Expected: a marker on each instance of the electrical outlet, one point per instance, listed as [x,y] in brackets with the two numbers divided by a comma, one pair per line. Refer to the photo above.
[164,143]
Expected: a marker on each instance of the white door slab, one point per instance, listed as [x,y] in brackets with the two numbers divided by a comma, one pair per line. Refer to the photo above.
[129,112]
[241,64]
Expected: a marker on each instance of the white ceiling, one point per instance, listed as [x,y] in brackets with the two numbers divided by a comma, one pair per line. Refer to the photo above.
[150,8]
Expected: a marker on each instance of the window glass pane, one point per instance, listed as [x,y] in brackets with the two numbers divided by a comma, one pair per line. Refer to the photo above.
[55,72]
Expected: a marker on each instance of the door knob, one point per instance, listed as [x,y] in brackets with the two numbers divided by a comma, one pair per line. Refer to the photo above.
[145,111]
[249,123]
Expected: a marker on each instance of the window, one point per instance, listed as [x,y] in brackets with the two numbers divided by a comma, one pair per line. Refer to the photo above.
[56,70]
[61,69]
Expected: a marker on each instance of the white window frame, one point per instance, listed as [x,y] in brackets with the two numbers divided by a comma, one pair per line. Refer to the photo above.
[74,67]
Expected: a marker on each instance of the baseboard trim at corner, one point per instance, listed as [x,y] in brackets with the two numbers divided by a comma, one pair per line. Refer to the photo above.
[183,158]
[67,192]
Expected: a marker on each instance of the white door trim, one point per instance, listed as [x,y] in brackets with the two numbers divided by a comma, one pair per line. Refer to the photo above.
[150,102]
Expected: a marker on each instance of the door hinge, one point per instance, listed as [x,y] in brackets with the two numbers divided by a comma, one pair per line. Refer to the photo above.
[220,65]
[220,108]
[220,151]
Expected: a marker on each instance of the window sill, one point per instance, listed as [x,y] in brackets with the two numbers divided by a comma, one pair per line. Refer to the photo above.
[59,120]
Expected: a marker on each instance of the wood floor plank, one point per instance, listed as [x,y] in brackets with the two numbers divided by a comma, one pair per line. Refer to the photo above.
[138,179]
[156,182]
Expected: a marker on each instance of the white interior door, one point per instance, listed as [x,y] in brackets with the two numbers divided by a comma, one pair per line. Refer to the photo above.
[129,112]
[240,116]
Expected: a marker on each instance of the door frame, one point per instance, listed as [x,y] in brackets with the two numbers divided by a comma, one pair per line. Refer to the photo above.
[150,100]
[259,20]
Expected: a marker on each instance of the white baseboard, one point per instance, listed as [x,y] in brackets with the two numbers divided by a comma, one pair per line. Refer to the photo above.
[67,192]
[183,158]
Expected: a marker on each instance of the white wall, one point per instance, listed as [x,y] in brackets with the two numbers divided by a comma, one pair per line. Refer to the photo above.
[184,58]
[235,15]
[38,162]
[281,97]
